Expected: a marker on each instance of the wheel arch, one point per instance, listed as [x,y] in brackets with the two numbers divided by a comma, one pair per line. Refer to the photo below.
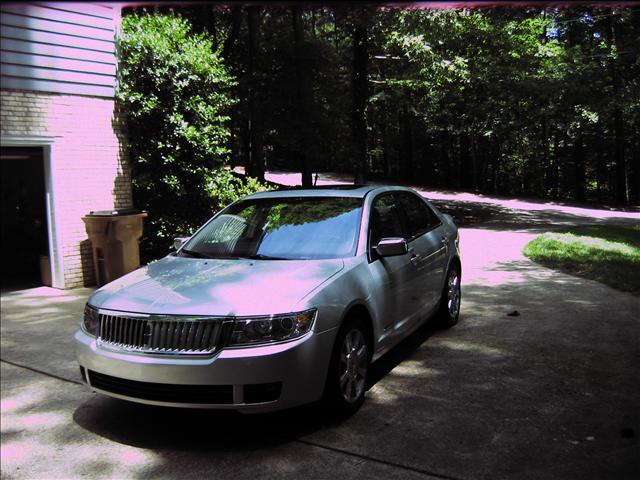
[455,260]
[360,311]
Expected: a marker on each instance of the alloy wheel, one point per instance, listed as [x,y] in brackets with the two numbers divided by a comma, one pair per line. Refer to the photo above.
[352,369]
[453,293]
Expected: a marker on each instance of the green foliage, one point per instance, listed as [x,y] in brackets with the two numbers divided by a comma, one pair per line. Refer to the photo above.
[174,91]
[608,254]
[532,100]
[226,188]
[517,100]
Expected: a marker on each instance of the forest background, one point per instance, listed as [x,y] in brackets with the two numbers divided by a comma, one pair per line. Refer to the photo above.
[522,100]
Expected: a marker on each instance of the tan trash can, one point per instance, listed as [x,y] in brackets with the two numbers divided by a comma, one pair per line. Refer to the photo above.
[114,236]
[45,270]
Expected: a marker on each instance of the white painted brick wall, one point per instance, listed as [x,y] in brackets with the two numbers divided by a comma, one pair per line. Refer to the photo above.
[88,163]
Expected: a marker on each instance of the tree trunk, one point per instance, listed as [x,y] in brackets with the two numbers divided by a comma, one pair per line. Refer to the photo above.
[545,150]
[622,194]
[426,176]
[228,56]
[466,170]
[484,157]
[565,180]
[496,168]
[474,163]
[601,172]
[385,145]
[302,100]
[255,167]
[579,169]
[445,164]
[406,150]
[555,167]
[230,41]
[634,184]
[360,90]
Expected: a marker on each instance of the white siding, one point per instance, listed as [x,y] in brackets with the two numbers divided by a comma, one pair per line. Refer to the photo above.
[59,47]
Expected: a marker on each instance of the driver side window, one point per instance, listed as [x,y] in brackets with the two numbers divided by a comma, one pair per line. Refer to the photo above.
[384,220]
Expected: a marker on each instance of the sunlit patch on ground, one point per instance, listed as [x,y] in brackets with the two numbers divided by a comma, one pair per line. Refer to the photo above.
[38,420]
[491,258]
[51,294]
[41,440]
[383,394]
[23,400]
[413,368]
[41,457]
[15,453]
[471,347]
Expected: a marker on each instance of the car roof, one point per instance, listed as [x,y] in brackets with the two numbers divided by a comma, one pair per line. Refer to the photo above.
[353,191]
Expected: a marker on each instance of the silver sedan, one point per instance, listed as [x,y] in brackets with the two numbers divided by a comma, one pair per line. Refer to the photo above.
[282,298]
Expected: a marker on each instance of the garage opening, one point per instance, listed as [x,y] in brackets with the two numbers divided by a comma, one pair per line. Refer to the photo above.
[24,229]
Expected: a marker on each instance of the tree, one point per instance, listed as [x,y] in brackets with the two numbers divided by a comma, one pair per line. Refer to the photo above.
[255,167]
[527,100]
[360,95]
[302,97]
[173,91]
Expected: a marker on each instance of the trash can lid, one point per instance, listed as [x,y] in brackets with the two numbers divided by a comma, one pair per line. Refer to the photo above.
[115,213]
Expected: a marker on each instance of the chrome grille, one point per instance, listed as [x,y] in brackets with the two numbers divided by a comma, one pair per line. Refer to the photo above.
[171,335]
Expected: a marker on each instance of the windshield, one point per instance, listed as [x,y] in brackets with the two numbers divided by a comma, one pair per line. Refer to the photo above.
[293,228]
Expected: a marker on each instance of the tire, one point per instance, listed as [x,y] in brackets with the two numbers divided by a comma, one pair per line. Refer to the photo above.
[347,377]
[451,296]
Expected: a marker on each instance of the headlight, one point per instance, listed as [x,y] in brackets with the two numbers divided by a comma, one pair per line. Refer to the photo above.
[274,328]
[91,321]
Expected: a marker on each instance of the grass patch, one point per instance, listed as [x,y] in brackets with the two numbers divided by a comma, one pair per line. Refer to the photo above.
[608,254]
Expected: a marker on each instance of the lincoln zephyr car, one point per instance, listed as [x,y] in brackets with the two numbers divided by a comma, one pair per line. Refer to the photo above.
[282,298]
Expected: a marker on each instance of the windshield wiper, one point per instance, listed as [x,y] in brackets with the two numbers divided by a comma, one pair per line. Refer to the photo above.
[193,253]
[259,256]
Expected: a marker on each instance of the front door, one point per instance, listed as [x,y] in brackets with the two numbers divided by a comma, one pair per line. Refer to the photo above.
[394,276]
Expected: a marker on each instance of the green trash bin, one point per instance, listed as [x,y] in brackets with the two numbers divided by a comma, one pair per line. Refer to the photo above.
[114,236]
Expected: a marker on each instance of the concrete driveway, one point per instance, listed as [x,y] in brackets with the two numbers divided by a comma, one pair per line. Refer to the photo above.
[550,393]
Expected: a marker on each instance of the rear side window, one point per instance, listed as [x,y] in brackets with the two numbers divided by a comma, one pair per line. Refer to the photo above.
[418,218]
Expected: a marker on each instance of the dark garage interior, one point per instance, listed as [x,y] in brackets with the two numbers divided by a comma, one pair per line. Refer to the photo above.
[25,247]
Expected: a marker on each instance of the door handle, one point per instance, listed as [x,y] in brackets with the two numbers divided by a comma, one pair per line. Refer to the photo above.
[445,240]
[414,257]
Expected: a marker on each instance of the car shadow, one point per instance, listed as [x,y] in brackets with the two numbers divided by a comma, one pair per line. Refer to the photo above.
[149,426]
[401,352]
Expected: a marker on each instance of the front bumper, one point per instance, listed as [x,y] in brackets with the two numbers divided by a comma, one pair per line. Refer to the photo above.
[291,373]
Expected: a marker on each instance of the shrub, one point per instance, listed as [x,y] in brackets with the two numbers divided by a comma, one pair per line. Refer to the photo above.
[173,92]
[225,188]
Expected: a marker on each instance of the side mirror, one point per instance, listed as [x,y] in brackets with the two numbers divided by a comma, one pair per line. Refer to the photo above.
[179,241]
[389,247]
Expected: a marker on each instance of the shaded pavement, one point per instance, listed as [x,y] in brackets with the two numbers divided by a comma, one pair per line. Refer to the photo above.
[549,393]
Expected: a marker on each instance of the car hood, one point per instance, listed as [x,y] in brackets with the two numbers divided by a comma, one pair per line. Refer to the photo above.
[188,286]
